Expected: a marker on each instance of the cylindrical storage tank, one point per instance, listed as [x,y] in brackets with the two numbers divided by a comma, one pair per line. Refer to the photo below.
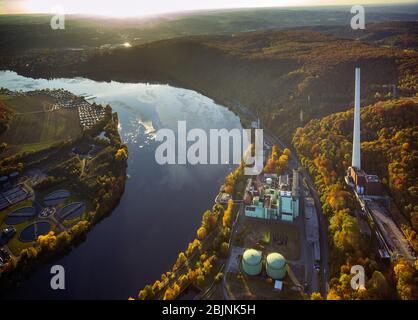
[252,262]
[276,266]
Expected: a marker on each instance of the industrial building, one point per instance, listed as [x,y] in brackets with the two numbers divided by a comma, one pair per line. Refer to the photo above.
[369,192]
[272,198]
[11,192]
[363,183]
[289,206]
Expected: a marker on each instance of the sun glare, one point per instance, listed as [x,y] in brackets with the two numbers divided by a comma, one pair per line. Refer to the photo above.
[118,8]
[126,8]
[129,8]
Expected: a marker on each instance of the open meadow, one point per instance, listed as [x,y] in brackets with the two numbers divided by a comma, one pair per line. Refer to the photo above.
[35,126]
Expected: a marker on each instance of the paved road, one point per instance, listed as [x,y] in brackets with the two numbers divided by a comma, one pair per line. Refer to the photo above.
[240,213]
[323,237]
[311,275]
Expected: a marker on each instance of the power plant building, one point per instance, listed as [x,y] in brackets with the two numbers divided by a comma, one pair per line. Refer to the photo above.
[363,183]
[289,206]
[274,200]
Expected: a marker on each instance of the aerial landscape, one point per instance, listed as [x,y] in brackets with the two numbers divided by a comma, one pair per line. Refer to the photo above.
[224,150]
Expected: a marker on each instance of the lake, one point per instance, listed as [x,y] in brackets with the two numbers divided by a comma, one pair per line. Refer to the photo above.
[162,205]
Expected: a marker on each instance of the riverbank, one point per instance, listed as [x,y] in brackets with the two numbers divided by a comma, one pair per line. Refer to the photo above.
[141,224]
[71,184]
[200,266]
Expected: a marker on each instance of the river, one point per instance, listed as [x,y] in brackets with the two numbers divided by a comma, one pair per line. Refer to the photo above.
[161,207]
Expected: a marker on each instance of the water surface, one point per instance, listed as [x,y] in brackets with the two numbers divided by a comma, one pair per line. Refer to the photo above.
[162,205]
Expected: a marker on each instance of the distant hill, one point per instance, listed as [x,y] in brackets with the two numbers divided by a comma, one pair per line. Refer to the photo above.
[32,31]
[274,74]
[285,77]
[389,34]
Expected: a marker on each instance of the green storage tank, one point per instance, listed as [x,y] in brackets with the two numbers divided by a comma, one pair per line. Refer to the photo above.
[252,262]
[276,266]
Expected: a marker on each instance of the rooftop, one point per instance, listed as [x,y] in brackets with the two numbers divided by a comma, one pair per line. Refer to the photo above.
[285,193]
[252,256]
[276,260]
[372,178]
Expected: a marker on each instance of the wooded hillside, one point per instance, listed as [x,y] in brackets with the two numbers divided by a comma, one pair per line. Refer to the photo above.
[389,148]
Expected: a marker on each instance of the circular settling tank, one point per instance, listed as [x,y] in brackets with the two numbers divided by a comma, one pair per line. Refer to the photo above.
[71,211]
[34,230]
[56,197]
[20,215]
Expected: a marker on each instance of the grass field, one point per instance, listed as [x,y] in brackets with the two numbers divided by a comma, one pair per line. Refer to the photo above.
[35,127]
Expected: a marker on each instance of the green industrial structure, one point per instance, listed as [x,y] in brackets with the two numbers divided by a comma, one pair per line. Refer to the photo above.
[274,199]
[276,266]
[252,264]
[278,205]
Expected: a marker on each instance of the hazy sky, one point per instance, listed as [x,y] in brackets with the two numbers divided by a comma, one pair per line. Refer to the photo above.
[146,7]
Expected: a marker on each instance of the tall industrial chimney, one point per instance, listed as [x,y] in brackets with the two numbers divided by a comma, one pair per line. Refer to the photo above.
[295,183]
[355,162]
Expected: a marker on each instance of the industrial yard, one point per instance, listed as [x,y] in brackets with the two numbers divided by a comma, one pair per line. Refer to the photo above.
[271,237]
[369,191]
[40,191]
[11,194]
[275,250]
[36,213]
[392,242]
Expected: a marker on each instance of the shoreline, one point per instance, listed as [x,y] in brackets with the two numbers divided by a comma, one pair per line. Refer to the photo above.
[65,235]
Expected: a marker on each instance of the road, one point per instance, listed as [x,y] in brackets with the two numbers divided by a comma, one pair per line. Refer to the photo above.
[323,238]
[240,213]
